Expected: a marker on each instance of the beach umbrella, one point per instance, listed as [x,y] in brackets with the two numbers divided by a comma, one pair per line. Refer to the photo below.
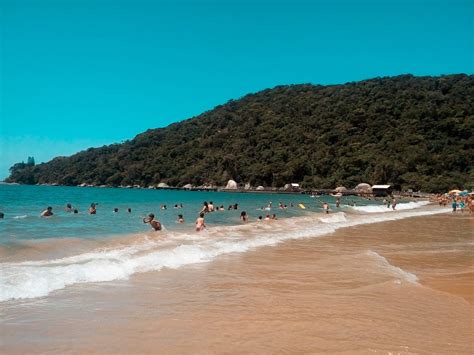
[464,193]
[454,192]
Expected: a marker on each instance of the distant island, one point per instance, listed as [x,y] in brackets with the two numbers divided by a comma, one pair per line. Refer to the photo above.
[411,132]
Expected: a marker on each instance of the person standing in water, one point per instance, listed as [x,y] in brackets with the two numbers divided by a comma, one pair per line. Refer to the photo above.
[200,225]
[454,205]
[155,224]
[180,218]
[244,216]
[326,207]
[68,208]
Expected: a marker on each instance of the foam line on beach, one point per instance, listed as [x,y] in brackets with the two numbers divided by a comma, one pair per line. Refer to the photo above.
[383,208]
[397,272]
[30,279]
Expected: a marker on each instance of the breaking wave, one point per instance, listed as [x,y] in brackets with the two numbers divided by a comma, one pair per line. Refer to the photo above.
[30,279]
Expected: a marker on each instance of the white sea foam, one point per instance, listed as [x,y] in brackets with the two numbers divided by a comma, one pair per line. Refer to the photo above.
[383,208]
[31,279]
[397,272]
[20,217]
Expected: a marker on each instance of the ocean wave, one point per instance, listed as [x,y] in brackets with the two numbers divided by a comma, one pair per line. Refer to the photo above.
[395,271]
[30,279]
[20,217]
[383,208]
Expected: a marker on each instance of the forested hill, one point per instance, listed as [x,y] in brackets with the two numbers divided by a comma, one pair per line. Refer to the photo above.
[413,132]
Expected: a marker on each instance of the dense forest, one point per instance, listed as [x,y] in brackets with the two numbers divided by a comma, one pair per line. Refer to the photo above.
[412,132]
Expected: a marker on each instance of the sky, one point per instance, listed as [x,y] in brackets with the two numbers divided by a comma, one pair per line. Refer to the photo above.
[78,74]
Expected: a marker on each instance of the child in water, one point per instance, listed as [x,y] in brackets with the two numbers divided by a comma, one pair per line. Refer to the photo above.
[200,225]
[155,224]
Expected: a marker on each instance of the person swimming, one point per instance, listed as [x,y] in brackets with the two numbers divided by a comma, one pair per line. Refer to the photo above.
[155,224]
[116,210]
[47,212]
[244,216]
[92,209]
[211,206]
[2,215]
[205,207]
[180,218]
[68,208]
[200,225]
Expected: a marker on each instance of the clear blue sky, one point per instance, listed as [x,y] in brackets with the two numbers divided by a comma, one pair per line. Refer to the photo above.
[81,73]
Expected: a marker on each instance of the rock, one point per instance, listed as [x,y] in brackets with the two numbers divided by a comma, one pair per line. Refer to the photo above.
[231,185]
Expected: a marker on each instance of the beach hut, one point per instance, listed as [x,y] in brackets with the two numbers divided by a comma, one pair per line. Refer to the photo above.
[340,189]
[162,185]
[260,188]
[188,186]
[381,190]
[231,185]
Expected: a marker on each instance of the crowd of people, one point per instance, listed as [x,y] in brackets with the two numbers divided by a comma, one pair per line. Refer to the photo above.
[457,202]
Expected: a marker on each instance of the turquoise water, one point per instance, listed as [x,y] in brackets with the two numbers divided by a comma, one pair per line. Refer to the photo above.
[41,255]
[22,205]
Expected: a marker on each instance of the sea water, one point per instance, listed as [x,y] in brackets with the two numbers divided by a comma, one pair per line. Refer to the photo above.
[41,255]
[23,204]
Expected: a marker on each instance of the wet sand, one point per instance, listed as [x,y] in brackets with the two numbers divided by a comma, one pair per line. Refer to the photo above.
[404,286]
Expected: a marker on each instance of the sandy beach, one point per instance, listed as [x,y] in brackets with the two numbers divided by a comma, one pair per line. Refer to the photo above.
[403,286]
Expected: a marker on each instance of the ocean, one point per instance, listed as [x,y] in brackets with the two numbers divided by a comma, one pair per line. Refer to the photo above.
[361,278]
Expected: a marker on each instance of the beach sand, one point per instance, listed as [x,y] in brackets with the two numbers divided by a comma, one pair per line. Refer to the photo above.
[404,286]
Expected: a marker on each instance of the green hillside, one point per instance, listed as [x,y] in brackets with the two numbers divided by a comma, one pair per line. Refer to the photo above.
[412,132]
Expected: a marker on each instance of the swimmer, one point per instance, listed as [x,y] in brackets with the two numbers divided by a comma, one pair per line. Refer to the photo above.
[205,207]
[68,208]
[156,225]
[129,210]
[244,216]
[115,210]
[92,209]
[200,225]
[211,206]
[2,215]
[259,219]
[75,211]
[47,212]
[274,217]
[267,217]
[180,218]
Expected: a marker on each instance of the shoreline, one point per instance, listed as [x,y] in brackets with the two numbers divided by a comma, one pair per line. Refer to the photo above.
[166,250]
[350,291]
